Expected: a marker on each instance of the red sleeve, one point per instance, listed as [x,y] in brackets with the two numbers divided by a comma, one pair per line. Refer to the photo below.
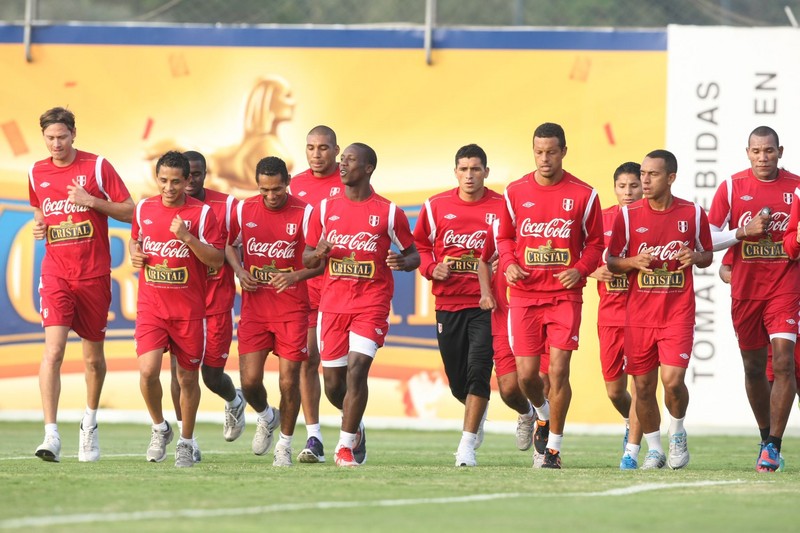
[112,183]
[594,244]
[315,225]
[489,248]
[32,196]
[790,245]
[618,242]
[402,229]
[720,208]
[422,232]
[213,234]
[705,232]
[135,231]
[506,233]
[236,227]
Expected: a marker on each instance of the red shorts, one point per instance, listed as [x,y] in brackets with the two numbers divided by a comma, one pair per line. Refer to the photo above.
[557,323]
[333,331]
[647,348]
[219,334]
[544,362]
[313,301]
[612,351]
[755,320]
[771,374]
[78,304]
[287,340]
[504,360]
[185,339]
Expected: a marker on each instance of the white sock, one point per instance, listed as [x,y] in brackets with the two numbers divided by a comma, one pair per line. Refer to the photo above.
[347,440]
[180,426]
[89,418]
[554,441]
[633,449]
[285,441]
[233,404]
[468,440]
[543,411]
[51,429]
[163,426]
[267,414]
[676,425]
[313,430]
[654,441]
[186,441]
[627,423]
[527,416]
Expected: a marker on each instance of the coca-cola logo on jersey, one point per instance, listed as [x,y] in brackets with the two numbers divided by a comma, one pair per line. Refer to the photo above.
[363,241]
[272,250]
[779,221]
[555,228]
[61,207]
[471,241]
[665,252]
[172,248]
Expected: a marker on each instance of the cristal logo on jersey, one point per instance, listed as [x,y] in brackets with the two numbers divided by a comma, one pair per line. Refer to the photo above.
[546,255]
[172,248]
[662,278]
[70,231]
[351,267]
[291,229]
[81,180]
[265,273]
[272,250]
[683,226]
[374,220]
[619,283]
[463,263]
[567,204]
[162,273]
[665,252]
[467,241]
[362,241]
[557,227]
[61,207]
[764,248]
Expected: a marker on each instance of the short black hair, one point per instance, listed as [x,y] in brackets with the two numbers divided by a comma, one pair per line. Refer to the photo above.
[272,166]
[326,131]
[670,161]
[551,129]
[469,151]
[628,168]
[193,155]
[764,131]
[372,157]
[173,159]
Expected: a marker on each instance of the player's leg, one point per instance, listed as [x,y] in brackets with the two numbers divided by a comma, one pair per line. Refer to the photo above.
[189,379]
[55,343]
[289,384]
[251,374]
[150,386]
[175,387]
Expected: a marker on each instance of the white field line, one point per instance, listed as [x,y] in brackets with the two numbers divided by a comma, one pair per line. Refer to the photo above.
[112,455]
[94,518]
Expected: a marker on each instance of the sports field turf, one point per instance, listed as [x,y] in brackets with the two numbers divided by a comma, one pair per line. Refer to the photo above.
[408,484]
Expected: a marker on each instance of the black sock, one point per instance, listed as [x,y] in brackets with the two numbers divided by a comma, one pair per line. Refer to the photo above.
[764,433]
[775,441]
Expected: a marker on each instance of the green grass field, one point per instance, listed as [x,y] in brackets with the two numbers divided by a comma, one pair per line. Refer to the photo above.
[408,484]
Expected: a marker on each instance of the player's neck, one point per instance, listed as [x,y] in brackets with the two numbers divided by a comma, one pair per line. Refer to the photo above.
[548,182]
[359,192]
[73,153]
[471,196]
[326,172]
[201,195]
[661,204]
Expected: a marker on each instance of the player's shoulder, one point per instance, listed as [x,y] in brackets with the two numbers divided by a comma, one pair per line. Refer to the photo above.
[303,175]
[612,210]
[492,195]
[213,195]
[86,157]
[519,182]
[443,196]
[785,174]
[295,203]
[682,203]
[577,183]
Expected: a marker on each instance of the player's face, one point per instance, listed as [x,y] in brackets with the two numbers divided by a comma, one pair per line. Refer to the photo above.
[197,178]
[172,185]
[321,154]
[272,190]
[549,156]
[656,182]
[628,188]
[59,138]
[764,153]
[470,174]
[353,166]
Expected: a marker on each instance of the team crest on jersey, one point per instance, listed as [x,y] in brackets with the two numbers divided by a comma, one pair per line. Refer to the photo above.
[188,224]
[683,226]
[81,180]
[335,191]
[374,220]
[291,229]
[490,217]
[787,198]
[567,204]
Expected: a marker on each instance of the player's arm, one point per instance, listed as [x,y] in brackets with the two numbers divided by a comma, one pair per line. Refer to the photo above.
[314,256]
[284,280]
[485,281]
[122,211]
[138,257]
[407,260]
[206,253]
[602,274]
[39,225]
[233,256]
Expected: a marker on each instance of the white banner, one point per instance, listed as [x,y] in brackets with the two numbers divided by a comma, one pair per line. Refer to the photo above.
[723,83]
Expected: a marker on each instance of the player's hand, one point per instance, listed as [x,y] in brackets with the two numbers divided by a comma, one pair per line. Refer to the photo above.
[323,249]
[39,230]
[138,257]
[725,273]
[487,303]
[78,195]
[644,260]
[569,277]
[602,274]
[515,273]
[178,228]
[282,280]
[686,256]
[495,265]
[396,261]
[246,281]
[441,271]
[758,225]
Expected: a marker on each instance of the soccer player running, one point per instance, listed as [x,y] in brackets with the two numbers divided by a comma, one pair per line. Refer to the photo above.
[220,292]
[656,242]
[269,227]
[352,234]
[73,193]
[613,291]
[750,213]
[550,239]
[450,236]
[175,239]
[321,180]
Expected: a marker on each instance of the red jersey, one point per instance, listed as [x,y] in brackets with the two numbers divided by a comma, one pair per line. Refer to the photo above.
[450,229]
[664,297]
[614,293]
[221,287]
[357,277]
[761,267]
[272,241]
[546,230]
[77,244]
[172,284]
[499,285]
[312,190]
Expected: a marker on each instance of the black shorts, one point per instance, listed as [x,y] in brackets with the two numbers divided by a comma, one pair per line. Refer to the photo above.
[465,343]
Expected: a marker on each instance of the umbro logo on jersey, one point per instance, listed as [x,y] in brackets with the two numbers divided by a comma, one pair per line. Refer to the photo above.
[450,216]
[44,184]
[379,331]
[607,233]
[641,230]
[251,225]
[684,356]
[334,218]
[575,338]
[302,193]
[528,204]
[791,321]
[147,221]
[746,197]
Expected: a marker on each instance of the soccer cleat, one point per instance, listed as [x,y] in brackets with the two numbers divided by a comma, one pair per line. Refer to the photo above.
[282,456]
[360,451]
[184,455]
[88,445]
[234,419]
[262,440]
[552,459]
[625,438]
[196,455]
[678,451]
[313,452]
[50,449]
[654,460]
[525,432]
[769,460]
[628,463]
[344,457]
[466,457]
[157,450]
[538,459]
[541,434]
